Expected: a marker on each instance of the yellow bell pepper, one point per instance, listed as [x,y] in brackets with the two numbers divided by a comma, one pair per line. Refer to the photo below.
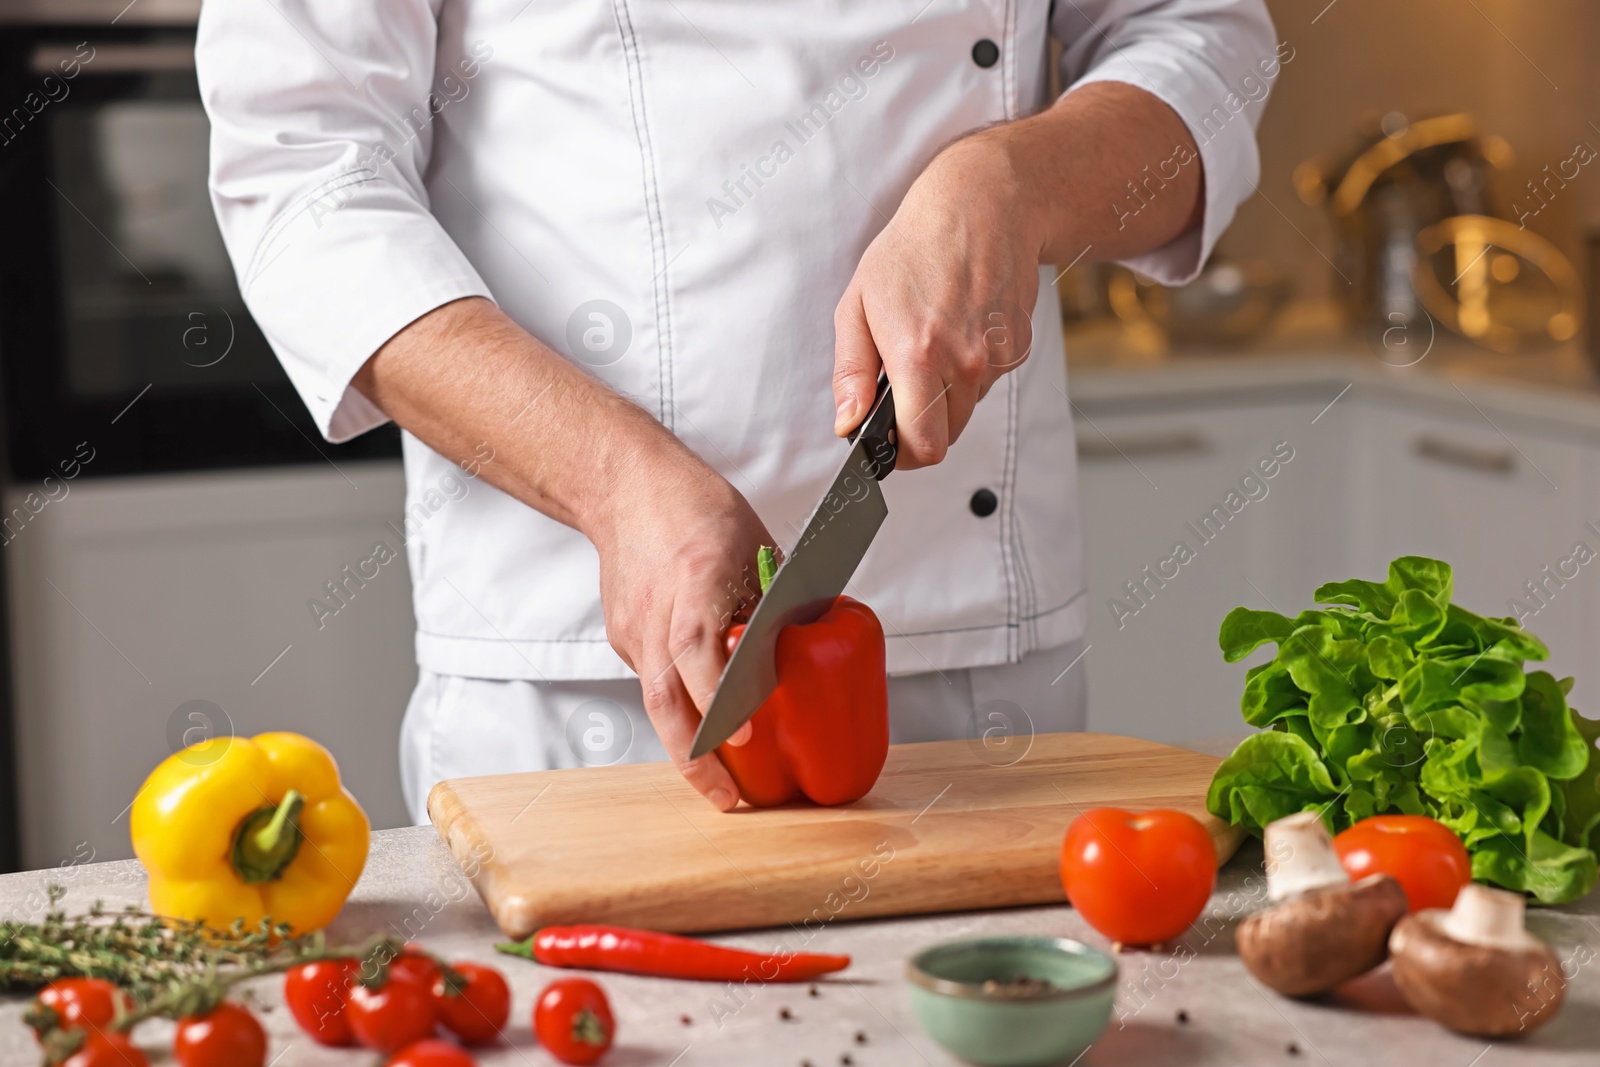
[242,828]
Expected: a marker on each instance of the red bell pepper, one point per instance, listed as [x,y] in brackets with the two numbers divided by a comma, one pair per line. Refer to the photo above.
[824,732]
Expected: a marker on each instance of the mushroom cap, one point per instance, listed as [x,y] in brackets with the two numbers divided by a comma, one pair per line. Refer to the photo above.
[1478,989]
[1311,942]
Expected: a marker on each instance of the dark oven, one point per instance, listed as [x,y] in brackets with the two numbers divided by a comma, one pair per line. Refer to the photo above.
[121,326]
[119,316]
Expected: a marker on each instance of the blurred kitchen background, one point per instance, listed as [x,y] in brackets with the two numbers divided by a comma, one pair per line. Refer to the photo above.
[1403,310]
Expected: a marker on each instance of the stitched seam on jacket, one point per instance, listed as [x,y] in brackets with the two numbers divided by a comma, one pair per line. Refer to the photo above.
[658,244]
[1030,591]
[1008,627]
[288,215]
[1008,520]
[1008,60]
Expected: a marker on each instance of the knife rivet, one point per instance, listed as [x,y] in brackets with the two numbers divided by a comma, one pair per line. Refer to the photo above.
[983,503]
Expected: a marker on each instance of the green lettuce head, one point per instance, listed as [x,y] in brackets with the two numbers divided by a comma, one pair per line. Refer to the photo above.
[1392,699]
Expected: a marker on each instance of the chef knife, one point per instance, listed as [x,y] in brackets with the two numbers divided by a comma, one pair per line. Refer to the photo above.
[812,577]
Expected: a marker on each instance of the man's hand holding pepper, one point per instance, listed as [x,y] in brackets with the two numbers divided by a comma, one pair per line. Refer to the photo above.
[677,543]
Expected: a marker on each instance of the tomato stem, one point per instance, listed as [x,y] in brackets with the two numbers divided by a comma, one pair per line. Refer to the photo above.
[587,1029]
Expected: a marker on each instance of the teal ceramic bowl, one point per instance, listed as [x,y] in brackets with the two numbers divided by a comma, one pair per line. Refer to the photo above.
[1014,1024]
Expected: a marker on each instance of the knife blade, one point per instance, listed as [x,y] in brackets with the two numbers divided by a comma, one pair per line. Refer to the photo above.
[829,549]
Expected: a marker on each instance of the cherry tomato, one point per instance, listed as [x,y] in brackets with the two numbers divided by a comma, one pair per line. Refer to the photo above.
[479,1010]
[1138,878]
[107,1050]
[390,1018]
[573,1020]
[1424,856]
[82,1003]
[432,1053]
[317,994]
[226,1036]
[414,962]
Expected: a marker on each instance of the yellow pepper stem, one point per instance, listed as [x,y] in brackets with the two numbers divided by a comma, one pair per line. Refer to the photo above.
[268,839]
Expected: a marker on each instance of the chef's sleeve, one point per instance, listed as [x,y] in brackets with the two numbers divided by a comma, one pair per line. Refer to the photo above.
[321,126]
[1211,61]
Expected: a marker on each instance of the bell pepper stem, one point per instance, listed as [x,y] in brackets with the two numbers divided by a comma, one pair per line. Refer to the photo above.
[766,565]
[268,839]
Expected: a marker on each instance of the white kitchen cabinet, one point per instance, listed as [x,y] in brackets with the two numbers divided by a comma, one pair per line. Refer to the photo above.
[146,611]
[1150,471]
[1497,497]
[1501,490]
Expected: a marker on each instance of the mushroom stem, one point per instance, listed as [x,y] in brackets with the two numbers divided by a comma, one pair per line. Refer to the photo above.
[1300,856]
[1484,916]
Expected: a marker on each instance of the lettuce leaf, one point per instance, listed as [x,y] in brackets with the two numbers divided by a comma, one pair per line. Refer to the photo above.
[1269,775]
[1580,795]
[1394,699]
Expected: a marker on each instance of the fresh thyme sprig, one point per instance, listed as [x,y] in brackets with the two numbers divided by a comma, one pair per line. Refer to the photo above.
[141,952]
[169,968]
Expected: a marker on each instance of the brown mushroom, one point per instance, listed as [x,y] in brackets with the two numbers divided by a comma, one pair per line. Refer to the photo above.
[1475,968]
[1320,929]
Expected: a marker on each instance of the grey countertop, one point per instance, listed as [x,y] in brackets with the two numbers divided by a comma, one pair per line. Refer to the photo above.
[1540,395]
[412,888]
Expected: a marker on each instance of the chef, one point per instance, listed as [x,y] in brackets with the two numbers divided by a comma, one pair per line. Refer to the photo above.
[625,272]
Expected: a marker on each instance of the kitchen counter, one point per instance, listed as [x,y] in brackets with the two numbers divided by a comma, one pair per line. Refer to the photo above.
[1318,332]
[1551,395]
[412,888]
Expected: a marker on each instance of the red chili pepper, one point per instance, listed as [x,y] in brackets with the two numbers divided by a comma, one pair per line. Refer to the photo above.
[824,732]
[618,948]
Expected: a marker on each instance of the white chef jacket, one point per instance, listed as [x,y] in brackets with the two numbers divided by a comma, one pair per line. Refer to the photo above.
[676,194]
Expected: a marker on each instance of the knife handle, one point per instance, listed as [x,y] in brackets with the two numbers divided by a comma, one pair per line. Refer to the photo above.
[877,430]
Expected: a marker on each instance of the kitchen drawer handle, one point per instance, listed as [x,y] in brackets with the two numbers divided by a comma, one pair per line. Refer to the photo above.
[116,57]
[1166,443]
[1488,460]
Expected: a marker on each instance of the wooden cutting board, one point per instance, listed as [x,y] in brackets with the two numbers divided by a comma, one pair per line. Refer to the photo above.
[950,826]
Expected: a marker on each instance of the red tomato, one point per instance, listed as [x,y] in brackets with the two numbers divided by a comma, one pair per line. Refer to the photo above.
[1424,855]
[226,1036]
[573,1020]
[432,1053]
[317,994]
[1138,878]
[82,1003]
[478,1011]
[107,1050]
[392,1017]
[415,962]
